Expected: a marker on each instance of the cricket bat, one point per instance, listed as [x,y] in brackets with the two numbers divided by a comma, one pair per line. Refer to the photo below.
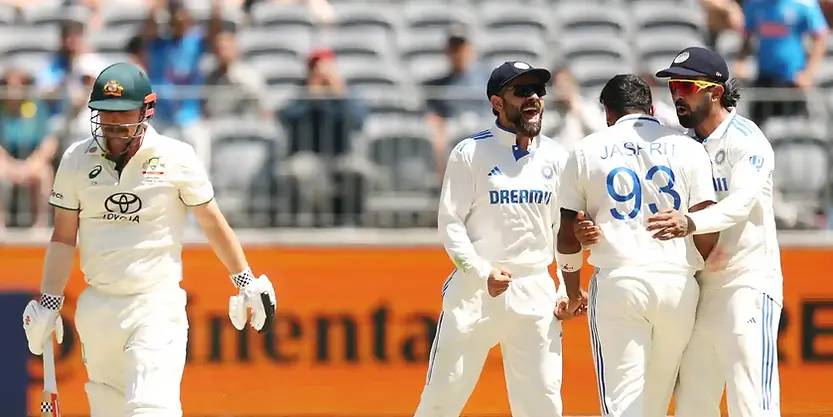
[49,406]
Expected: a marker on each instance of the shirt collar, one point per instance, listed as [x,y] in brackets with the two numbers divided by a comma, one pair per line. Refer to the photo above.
[638,117]
[720,131]
[508,138]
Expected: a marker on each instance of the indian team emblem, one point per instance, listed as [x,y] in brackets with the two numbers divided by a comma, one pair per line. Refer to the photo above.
[547,172]
[720,157]
[682,57]
[522,65]
[113,89]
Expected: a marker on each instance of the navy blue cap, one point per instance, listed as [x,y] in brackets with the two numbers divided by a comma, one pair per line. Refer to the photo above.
[697,62]
[508,71]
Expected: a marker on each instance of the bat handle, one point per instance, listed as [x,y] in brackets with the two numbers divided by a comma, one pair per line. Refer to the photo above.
[49,406]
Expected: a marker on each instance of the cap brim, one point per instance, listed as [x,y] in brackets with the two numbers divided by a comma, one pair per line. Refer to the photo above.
[541,75]
[114,105]
[679,72]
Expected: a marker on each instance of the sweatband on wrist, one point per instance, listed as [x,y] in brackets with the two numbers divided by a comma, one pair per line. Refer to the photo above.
[57,265]
[569,262]
[242,279]
[51,302]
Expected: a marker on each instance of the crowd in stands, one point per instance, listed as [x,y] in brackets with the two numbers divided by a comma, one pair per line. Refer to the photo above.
[328,113]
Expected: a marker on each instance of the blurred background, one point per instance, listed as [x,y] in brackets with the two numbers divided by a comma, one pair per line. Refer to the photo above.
[340,113]
[325,125]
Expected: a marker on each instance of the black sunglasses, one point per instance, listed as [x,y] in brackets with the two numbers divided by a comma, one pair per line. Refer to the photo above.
[527,90]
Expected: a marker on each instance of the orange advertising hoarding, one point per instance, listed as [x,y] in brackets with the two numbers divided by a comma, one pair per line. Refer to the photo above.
[355,326]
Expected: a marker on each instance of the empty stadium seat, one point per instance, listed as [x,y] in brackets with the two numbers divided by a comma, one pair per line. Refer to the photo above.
[403,150]
[506,18]
[44,14]
[802,159]
[288,16]
[657,53]
[370,78]
[15,40]
[576,18]
[432,17]
[279,70]
[356,45]
[257,42]
[110,41]
[497,49]
[124,15]
[656,17]
[8,15]
[599,50]
[244,157]
[359,18]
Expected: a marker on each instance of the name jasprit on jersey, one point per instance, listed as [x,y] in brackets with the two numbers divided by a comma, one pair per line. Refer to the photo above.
[632,149]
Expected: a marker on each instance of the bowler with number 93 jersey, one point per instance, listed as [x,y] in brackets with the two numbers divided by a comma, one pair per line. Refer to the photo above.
[643,294]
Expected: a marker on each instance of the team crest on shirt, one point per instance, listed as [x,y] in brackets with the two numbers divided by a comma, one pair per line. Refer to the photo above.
[720,157]
[153,169]
[547,172]
[113,89]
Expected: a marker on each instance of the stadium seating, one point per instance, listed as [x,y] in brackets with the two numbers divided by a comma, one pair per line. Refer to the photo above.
[387,49]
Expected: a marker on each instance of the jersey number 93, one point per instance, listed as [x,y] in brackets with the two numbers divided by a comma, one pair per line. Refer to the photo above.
[636,191]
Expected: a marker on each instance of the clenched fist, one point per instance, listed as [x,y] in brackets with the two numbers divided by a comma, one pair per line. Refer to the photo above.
[498,281]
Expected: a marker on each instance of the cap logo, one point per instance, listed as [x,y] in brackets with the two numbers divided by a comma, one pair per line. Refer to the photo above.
[522,66]
[113,89]
[682,57]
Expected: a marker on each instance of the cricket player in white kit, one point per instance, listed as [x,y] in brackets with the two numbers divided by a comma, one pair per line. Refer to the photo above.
[643,295]
[124,193]
[735,337]
[497,211]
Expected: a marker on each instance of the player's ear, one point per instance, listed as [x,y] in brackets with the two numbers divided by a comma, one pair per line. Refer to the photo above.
[609,116]
[497,103]
[717,92]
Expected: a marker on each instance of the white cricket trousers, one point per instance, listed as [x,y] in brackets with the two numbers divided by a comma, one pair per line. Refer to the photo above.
[639,327]
[734,344]
[521,320]
[134,350]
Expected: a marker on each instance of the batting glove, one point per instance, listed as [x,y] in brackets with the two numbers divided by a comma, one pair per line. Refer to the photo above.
[256,294]
[42,318]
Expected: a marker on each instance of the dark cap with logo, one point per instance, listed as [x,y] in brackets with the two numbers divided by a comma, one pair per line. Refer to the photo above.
[508,71]
[697,62]
[121,87]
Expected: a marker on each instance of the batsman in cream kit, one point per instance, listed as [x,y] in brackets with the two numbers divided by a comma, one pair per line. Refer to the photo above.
[123,196]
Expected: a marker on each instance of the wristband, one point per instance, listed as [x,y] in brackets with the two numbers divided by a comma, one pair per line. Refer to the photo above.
[569,262]
[242,279]
[51,302]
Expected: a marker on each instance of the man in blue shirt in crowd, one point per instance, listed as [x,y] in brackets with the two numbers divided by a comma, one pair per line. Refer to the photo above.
[173,66]
[780,27]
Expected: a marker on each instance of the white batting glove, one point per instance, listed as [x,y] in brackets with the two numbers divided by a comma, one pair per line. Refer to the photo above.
[256,294]
[40,319]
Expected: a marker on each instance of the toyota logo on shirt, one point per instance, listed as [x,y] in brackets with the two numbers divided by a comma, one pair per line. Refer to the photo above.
[122,207]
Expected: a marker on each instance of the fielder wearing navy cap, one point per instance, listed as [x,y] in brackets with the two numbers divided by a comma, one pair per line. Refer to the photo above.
[697,62]
[508,71]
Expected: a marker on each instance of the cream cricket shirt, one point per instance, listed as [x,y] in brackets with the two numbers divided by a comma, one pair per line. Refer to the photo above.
[131,226]
[624,174]
[498,203]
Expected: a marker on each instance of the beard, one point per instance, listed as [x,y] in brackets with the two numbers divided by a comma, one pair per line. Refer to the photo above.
[522,126]
[693,117]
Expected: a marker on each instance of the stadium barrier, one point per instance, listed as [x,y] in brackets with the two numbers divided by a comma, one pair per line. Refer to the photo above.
[355,325]
[394,152]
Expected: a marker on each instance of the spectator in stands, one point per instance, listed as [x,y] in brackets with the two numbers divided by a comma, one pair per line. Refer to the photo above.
[58,82]
[781,28]
[721,15]
[457,94]
[173,62]
[321,126]
[25,153]
[235,89]
[572,117]
[74,123]
[137,53]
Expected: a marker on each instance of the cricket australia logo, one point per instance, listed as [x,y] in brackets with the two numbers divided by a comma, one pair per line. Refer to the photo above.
[113,89]
[122,207]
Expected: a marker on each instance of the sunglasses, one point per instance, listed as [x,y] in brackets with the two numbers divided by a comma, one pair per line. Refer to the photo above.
[527,90]
[688,87]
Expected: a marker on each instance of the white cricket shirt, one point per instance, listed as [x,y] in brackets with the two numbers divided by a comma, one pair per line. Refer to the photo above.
[498,203]
[742,166]
[624,174]
[131,226]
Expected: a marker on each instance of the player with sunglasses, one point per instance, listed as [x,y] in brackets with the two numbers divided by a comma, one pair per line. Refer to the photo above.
[734,342]
[497,212]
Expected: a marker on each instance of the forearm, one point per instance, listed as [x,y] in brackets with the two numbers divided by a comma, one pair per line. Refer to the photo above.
[225,245]
[572,283]
[459,247]
[57,266]
[816,55]
[735,208]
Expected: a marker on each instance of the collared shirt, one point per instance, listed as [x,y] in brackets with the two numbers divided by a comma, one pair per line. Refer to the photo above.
[131,224]
[742,168]
[780,26]
[623,175]
[498,204]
